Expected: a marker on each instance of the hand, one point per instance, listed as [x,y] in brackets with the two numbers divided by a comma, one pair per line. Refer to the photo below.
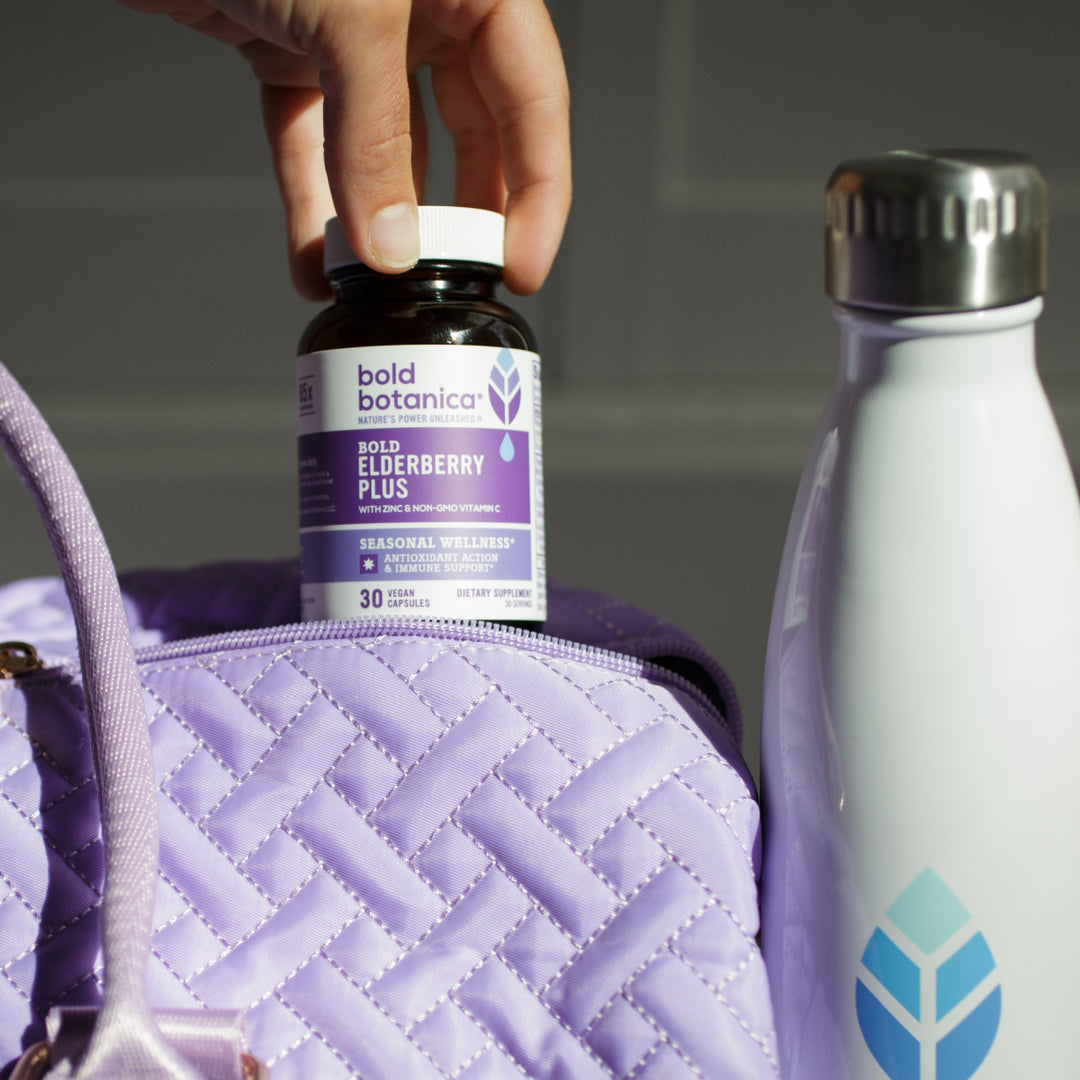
[347,130]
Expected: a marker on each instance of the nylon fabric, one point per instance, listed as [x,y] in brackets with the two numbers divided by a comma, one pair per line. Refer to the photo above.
[406,857]
[125,1040]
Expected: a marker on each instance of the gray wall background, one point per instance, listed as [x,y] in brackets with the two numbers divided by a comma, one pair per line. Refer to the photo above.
[145,301]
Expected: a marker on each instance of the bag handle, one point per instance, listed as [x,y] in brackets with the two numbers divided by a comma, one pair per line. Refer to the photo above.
[126,1039]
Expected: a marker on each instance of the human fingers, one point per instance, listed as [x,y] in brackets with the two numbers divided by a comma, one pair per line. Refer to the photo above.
[360,52]
[464,113]
[293,119]
[517,64]
[200,15]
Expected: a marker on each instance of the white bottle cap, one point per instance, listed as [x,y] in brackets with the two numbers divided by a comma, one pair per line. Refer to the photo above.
[447,233]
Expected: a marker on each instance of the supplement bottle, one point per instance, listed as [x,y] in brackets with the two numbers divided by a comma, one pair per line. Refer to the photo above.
[921,726]
[419,436]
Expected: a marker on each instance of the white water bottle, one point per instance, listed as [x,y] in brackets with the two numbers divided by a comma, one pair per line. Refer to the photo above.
[921,730]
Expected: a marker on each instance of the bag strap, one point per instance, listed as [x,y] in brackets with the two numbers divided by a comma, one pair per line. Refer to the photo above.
[126,1039]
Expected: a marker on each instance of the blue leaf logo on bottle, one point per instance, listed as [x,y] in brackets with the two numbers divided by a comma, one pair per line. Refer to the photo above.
[928,998]
[504,393]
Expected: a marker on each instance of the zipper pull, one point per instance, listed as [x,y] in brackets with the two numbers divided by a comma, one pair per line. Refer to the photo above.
[17,658]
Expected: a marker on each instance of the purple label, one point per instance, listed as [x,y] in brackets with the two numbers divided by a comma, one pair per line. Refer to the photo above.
[409,556]
[414,475]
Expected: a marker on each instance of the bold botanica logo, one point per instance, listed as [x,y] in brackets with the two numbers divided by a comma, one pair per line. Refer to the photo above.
[504,393]
[928,999]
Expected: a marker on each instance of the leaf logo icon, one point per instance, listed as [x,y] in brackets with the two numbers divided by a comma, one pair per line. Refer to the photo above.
[504,387]
[928,999]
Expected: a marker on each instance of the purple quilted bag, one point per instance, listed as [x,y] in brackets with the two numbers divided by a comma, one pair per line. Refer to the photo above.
[232,844]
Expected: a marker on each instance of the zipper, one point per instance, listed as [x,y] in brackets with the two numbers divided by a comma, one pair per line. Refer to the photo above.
[470,631]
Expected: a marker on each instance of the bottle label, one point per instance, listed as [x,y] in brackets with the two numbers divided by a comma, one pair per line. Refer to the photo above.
[420,483]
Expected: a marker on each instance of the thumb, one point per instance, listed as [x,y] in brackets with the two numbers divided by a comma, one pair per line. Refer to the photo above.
[361,57]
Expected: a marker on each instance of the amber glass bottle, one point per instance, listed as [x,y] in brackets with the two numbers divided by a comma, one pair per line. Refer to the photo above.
[421,486]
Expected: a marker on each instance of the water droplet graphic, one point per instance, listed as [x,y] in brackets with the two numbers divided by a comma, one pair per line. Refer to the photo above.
[506,448]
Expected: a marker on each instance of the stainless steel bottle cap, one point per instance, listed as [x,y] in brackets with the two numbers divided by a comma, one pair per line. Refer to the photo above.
[936,230]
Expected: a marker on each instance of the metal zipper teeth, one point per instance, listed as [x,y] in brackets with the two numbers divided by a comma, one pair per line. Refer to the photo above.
[444,629]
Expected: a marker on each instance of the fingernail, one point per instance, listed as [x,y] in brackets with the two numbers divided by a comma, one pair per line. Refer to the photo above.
[395,236]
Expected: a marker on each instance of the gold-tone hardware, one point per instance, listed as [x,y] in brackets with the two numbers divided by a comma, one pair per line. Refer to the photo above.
[253,1069]
[17,658]
[34,1063]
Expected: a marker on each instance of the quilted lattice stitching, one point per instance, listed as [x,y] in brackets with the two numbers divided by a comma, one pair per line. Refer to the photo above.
[424,754]
[39,943]
[61,799]
[626,903]
[164,709]
[14,892]
[312,1033]
[624,991]
[724,813]
[63,688]
[425,848]
[433,659]
[515,704]
[432,929]
[163,961]
[663,1041]
[583,855]
[501,1045]
[368,818]
[315,784]
[32,820]
[538,906]
[491,772]
[666,714]
[448,994]
[275,906]
[193,908]
[175,770]
[273,662]
[406,1032]
[661,699]
[659,1050]
[462,1048]
[470,1061]
[564,840]
[15,986]
[588,694]
[363,728]
[627,814]
[712,901]
[257,687]
[364,907]
[720,902]
[278,989]
[42,939]
[209,666]
[17,768]
[717,990]
[762,1041]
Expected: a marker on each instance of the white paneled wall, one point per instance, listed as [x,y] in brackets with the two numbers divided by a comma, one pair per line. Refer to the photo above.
[144,296]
